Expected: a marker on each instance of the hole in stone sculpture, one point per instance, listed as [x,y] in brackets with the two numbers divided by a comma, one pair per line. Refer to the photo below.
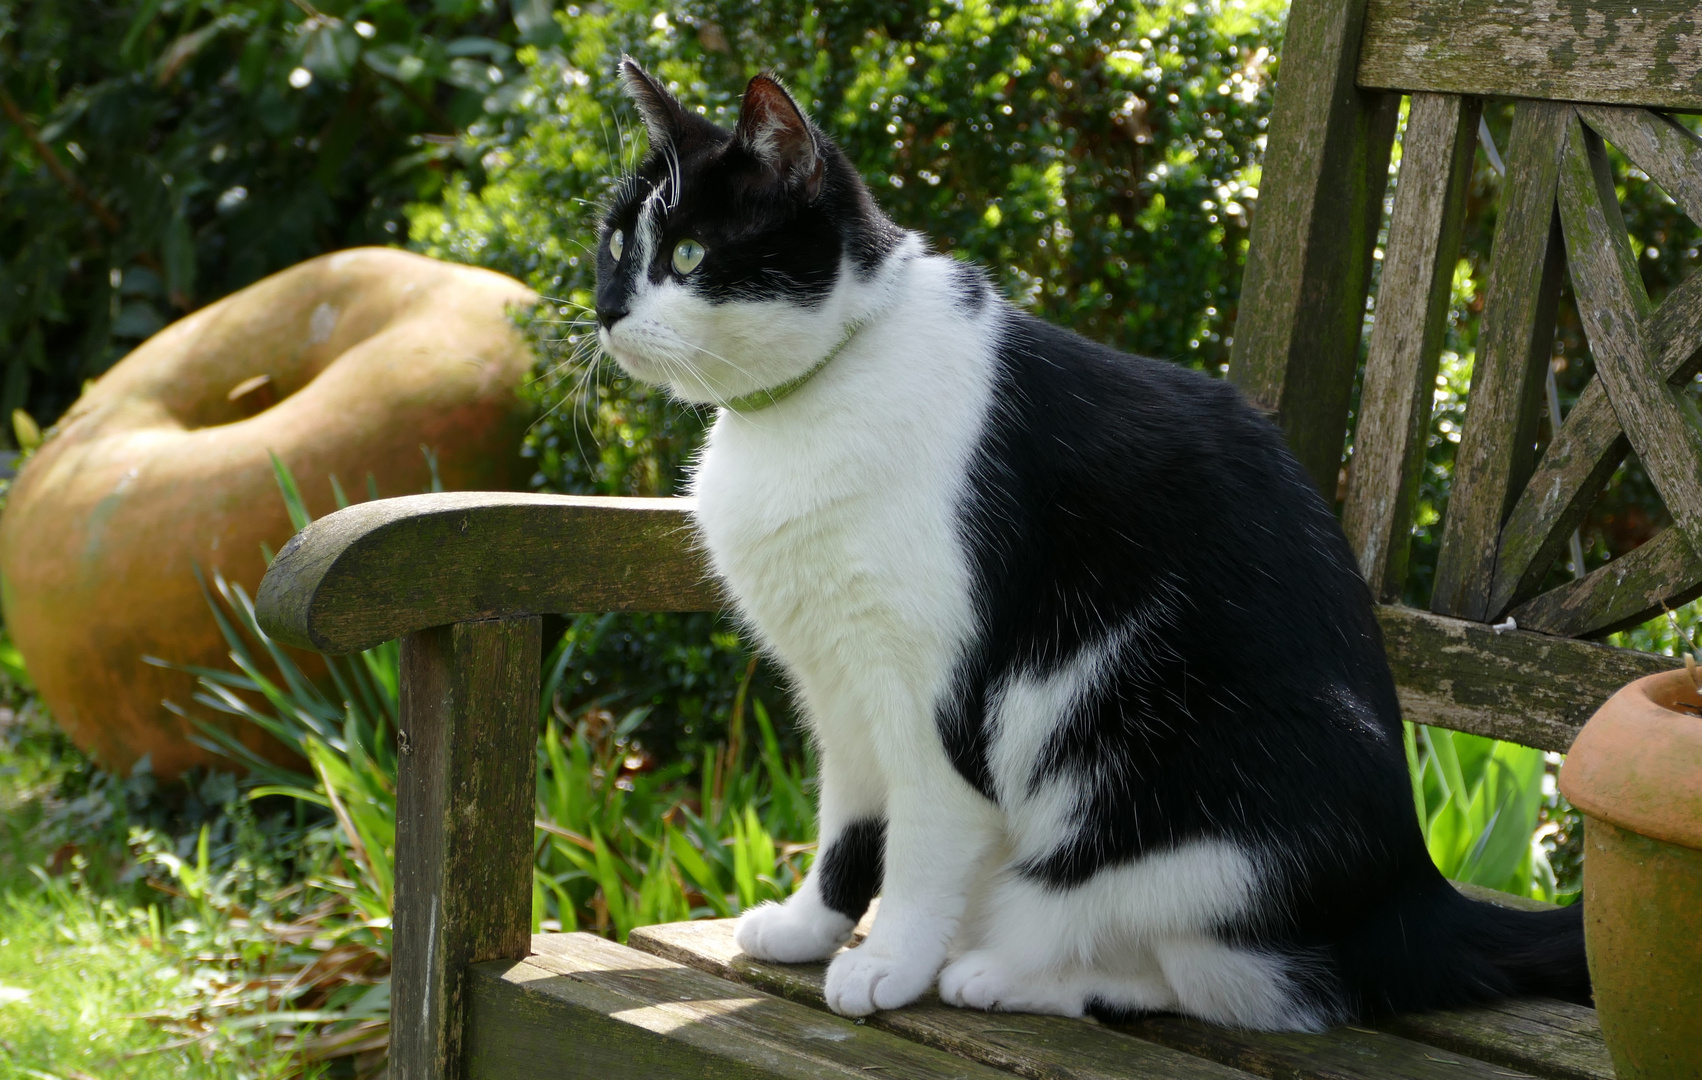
[254,395]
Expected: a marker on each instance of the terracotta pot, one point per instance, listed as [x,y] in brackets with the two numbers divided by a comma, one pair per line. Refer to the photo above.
[344,365]
[1636,773]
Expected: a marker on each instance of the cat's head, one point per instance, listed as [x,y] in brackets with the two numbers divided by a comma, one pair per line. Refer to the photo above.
[734,261]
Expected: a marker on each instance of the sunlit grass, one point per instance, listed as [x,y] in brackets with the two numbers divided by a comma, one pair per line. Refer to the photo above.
[90,988]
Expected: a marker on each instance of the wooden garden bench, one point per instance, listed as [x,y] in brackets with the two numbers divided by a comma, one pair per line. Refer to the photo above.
[462,579]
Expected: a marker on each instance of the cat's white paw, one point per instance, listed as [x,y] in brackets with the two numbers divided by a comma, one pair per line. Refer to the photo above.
[791,933]
[863,980]
[981,980]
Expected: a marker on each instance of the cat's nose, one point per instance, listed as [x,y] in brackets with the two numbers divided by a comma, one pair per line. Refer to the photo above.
[610,316]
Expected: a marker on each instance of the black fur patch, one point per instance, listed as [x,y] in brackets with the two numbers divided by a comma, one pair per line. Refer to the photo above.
[970,288]
[1250,700]
[852,867]
[962,723]
[1110,1012]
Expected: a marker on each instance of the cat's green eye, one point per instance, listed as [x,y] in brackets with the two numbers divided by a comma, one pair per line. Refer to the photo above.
[617,243]
[687,254]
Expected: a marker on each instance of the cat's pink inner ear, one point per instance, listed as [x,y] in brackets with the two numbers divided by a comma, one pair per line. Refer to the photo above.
[773,129]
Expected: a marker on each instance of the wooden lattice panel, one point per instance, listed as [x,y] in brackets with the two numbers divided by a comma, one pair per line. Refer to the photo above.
[1510,512]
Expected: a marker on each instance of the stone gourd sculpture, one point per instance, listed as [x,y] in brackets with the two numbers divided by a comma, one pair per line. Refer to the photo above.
[345,365]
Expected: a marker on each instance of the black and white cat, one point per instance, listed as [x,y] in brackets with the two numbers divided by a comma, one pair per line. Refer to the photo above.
[1102,707]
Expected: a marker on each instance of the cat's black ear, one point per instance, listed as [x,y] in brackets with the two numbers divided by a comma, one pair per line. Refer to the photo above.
[773,130]
[664,118]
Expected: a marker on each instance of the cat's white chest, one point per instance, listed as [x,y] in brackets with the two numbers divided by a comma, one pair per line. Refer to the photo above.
[833,520]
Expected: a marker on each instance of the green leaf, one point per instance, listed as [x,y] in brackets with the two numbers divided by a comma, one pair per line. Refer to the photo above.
[299,516]
[331,50]
[1415,772]
[178,249]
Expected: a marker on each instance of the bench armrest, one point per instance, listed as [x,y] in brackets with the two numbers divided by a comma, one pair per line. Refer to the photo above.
[386,568]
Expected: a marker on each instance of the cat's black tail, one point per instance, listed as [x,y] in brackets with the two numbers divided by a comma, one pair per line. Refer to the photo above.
[1541,952]
[1432,947]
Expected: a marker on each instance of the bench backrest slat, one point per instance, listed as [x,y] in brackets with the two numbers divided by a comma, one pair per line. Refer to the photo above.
[1309,262]
[1622,52]
[1400,376]
[1497,444]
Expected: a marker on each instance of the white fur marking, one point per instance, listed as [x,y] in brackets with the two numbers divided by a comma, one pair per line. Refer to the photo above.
[1025,712]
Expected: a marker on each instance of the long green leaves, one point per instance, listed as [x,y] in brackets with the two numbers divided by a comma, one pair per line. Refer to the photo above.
[621,846]
[1478,802]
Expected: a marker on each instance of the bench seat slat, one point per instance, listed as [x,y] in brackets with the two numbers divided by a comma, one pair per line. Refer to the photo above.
[1048,1047]
[1535,1037]
[1336,1055]
[1566,1044]
[581,1006]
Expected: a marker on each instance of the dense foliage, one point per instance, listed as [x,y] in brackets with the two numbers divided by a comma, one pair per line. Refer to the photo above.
[156,155]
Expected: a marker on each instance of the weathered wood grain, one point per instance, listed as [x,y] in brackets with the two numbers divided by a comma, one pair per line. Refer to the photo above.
[1664,572]
[1042,1047]
[1496,446]
[1561,1015]
[526,1022]
[1526,688]
[1580,459]
[1340,1054]
[465,795]
[1661,420]
[1406,339]
[585,1007]
[1624,52]
[1074,1048]
[1540,1037]
[1665,149]
[1320,203]
[381,569]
